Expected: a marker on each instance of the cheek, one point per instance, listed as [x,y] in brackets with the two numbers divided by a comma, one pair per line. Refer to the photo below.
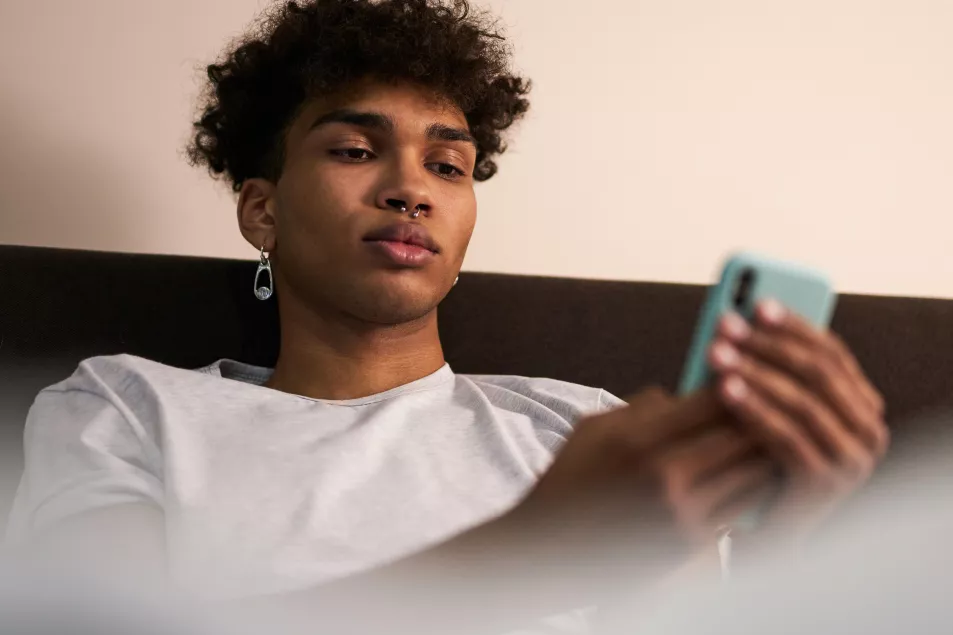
[318,196]
[467,218]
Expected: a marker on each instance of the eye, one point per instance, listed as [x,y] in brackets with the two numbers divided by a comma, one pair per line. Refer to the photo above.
[446,170]
[353,154]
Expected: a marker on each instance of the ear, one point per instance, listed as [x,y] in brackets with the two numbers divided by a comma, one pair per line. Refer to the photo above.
[256,213]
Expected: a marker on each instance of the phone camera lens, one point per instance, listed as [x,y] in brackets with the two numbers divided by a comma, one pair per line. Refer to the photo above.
[743,288]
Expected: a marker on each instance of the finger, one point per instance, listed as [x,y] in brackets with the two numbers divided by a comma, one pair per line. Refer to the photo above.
[825,377]
[712,501]
[749,505]
[874,399]
[798,404]
[773,316]
[650,423]
[651,401]
[690,461]
[790,443]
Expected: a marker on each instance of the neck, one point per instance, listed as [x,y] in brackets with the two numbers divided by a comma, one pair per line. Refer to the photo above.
[344,358]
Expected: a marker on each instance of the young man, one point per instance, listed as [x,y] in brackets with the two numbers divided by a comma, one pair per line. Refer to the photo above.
[353,132]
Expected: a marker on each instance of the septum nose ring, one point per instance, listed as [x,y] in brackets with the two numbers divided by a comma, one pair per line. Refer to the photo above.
[413,214]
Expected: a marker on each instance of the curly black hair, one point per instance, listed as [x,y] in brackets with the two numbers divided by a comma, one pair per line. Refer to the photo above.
[301,50]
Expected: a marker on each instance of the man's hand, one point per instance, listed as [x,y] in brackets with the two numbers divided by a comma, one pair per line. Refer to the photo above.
[803,394]
[650,481]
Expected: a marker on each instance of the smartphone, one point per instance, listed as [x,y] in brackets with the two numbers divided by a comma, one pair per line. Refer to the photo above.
[746,279]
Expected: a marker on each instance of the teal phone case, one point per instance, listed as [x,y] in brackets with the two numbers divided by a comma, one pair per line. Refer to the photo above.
[800,289]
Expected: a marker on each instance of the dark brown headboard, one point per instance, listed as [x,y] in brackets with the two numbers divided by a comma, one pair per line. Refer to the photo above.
[59,306]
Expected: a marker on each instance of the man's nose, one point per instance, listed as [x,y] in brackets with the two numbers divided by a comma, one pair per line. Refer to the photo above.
[407,192]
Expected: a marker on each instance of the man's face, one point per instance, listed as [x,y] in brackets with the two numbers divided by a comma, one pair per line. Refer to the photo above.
[352,163]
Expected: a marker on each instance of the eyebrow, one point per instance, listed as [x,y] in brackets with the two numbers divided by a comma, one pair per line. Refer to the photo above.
[383,123]
[443,132]
[372,120]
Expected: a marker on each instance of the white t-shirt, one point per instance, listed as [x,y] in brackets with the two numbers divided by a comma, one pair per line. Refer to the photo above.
[265,491]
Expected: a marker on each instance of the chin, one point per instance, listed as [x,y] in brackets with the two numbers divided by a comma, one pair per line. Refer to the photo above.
[393,303]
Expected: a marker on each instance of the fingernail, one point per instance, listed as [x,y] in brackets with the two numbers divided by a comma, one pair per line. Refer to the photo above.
[772,311]
[735,388]
[724,355]
[735,326]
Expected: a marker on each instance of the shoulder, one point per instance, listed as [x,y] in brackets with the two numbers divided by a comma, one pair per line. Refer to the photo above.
[98,384]
[92,440]
[123,389]
[114,376]
[567,399]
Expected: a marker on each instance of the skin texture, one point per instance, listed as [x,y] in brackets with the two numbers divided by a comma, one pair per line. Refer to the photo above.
[803,394]
[343,306]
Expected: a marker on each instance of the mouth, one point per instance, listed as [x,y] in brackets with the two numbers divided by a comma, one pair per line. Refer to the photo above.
[406,233]
[404,244]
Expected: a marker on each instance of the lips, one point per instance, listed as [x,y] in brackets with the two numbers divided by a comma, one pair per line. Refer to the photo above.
[403,244]
[407,233]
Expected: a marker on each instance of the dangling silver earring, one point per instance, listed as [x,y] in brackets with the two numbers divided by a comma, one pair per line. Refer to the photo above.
[456,280]
[264,264]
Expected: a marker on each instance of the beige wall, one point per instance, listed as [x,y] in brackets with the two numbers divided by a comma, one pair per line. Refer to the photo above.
[664,132]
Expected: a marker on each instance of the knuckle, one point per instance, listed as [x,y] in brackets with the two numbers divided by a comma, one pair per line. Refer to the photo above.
[589,425]
[785,351]
[809,409]
[654,391]
[836,348]
[606,440]
[833,359]
[842,353]
[800,360]
[875,433]
[778,432]
[651,396]
[818,342]
[825,374]
[837,342]
[879,403]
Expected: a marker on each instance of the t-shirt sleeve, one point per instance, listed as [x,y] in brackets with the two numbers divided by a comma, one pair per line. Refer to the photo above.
[82,452]
[608,401]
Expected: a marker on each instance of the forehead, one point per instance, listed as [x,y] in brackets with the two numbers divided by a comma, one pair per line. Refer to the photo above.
[410,107]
